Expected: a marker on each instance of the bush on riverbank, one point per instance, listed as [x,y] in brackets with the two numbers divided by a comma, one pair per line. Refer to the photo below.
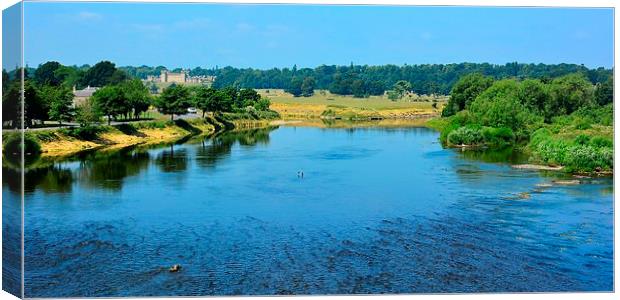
[580,154]
[13,145]
[86,133]
[476,135]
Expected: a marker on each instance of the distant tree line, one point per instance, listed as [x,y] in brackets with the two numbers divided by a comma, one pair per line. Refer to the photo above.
[364,80]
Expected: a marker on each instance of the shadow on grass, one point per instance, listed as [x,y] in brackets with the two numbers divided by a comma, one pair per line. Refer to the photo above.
[129,129]
[187,126]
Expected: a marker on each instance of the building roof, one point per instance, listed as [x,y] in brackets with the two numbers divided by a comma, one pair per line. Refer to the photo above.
[87,92]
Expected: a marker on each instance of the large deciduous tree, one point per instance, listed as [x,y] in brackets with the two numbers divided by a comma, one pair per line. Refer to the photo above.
[174,100]
[499,106]
[465,91]
[570,93]
[137,96]
[205,99]
[402,87]
[604,93]
[295,87]
[46,73]
[103,73]
[110,101]
[308,86]
[35,106]
[11,103]
[60,102]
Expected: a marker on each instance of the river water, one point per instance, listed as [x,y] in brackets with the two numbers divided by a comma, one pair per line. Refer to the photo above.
[378,210]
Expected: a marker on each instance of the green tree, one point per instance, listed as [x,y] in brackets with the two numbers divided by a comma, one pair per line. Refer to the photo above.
[224,100]
[402,87]
[465,91]
[5,80]
[295,87]
[535,96]
[262,104]
[174,100]
[103,73]
[247,97]
[499,106]
[137,95]
[11,104]
[569,93]
[86,113]
[110,101]
[604,93]
[307,87]
[70,76]
[358,88]
[205,99]
[60,101]
[35,106]
[393,95]
[45,74]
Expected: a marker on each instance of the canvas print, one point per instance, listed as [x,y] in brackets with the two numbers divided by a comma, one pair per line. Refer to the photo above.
[204,149]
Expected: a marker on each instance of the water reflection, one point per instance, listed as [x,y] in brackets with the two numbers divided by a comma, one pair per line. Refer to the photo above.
[108,169]
[51,179]
[219,147]
[504,155]
[172,160]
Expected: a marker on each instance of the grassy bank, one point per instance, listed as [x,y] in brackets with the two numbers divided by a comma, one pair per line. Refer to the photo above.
[330,106]
[68,141]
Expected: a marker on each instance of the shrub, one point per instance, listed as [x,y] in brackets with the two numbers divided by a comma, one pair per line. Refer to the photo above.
[498,136]
[151,125]
[582,139]
[268,114]
[13,145]
[454,122]
[600,142]
[582,123]
[262,104]
[87,133]
[465,135]
[581,154]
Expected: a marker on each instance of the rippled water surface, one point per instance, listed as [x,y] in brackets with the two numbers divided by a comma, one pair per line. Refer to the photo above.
[377,211]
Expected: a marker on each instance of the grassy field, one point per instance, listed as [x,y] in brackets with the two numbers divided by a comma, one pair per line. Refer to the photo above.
[323,103]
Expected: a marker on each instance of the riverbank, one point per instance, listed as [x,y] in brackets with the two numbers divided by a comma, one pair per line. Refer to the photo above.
[570,145]
[69,141]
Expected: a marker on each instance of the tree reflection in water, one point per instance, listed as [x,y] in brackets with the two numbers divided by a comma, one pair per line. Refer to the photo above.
[219,146]
[109,169]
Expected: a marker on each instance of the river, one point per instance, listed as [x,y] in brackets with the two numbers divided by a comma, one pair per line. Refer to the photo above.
[378,210]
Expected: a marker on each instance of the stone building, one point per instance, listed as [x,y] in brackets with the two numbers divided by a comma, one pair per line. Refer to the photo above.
[80,96]
[167,76]
[179,77]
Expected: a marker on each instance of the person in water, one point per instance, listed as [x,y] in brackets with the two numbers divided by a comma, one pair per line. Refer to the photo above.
[300,174]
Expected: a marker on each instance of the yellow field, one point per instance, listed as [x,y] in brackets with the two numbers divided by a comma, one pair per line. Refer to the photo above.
[349,107]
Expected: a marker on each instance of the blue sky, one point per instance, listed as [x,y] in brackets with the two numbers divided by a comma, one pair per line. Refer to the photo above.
[206,35]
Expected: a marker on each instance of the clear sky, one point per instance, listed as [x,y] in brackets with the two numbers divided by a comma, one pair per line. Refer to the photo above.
[206,35]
